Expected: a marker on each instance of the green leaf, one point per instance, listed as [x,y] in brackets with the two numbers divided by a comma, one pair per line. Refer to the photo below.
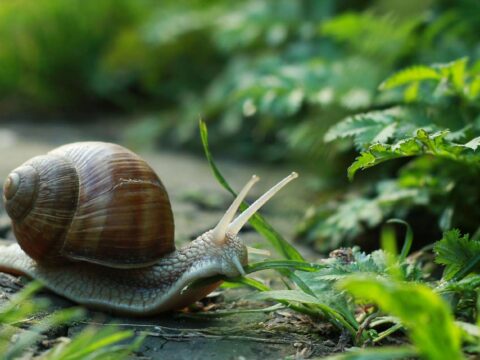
[407,244]
[282,264]
[379,153]
[429,322]
[459,254]
[421,144]
[411,92]
[473,144]
[257,221]
[336,269]
[410,75]
[455,71]
[474,88]
[367,128]
[366,33]
[322,282]
[362,162]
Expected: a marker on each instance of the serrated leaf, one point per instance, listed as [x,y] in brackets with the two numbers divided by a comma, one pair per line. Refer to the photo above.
[367,128]
[422,143]
[364,161]
[378,153]
[460,254]
[410,75]
[322,282]
[336,269]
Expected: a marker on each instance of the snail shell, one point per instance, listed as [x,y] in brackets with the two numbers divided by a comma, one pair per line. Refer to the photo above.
[90,201]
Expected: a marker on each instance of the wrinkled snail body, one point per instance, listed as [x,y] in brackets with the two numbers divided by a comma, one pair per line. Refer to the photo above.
[94,224]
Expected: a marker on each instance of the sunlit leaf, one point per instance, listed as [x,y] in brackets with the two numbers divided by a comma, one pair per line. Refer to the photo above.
[411,75]
[426,316]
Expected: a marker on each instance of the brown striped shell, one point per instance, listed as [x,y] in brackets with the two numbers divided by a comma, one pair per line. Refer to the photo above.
[90,201]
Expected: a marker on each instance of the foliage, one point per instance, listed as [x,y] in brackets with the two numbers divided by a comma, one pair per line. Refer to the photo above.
[293,69]
[360,293]
[341,222]
[421,143]
[90,343]
[95,343]
[51,49]
[426,316]
[273,75]
[274,78]
[459,254]
[433,127]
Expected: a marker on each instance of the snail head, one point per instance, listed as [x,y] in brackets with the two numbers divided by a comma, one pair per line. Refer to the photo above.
[225,233]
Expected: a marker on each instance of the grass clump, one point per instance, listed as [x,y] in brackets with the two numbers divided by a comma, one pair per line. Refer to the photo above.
[22,324]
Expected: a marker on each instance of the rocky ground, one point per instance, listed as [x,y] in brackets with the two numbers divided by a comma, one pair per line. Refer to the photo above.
[198,202]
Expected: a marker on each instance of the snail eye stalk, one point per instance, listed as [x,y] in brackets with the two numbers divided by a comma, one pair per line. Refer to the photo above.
[219,232]
[235,227]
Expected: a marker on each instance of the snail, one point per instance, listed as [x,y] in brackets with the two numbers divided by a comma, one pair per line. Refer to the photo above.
[93,223]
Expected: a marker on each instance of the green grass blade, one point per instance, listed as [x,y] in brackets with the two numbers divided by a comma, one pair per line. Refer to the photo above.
[300,284]
[29,338]
[255,284]
[225,313]
[100,341]
[93,343]
[282,264]
[20,305]
[257,221]
[467,269]
[407,244]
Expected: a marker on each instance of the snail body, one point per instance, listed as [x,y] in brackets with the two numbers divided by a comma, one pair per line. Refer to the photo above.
[93,223]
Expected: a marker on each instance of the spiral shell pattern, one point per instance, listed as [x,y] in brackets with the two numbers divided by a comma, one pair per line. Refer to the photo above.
[90,201]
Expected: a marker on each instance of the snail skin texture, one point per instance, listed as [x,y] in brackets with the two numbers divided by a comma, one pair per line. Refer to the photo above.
[93,223]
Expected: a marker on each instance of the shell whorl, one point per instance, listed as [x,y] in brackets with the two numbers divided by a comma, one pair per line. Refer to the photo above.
[19,191]
[91,201]
[40,198]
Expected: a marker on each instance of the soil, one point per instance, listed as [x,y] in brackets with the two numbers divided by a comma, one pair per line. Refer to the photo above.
[198,201]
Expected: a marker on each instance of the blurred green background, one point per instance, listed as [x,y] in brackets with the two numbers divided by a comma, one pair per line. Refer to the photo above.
[269,77]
